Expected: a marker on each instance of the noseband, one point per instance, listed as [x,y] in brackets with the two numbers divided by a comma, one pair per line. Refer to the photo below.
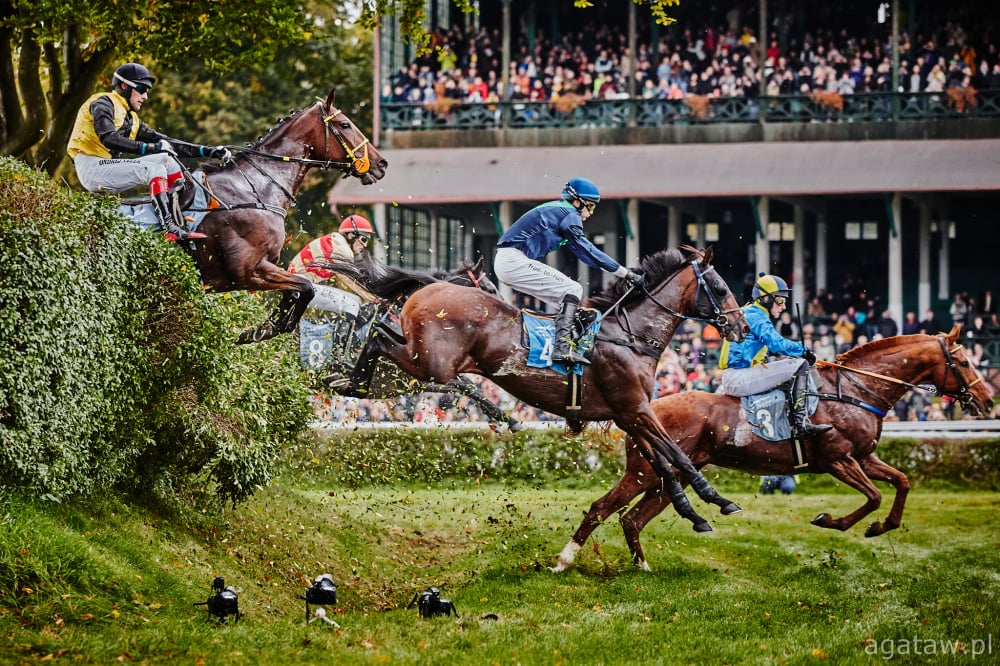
[964,395]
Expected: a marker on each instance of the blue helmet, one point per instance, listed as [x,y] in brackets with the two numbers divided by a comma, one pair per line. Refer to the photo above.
[768,286]
[582,189]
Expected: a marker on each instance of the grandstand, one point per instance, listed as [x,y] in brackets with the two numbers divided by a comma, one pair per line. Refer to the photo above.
[859,171]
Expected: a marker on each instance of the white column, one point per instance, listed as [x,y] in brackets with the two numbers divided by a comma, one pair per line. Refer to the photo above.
[381,220]
[896,260]
[632,244]
[924,279]
[673,226]
[944,264]
[798,259]
[821,245]
[762,247]
[699,241]
[506,219]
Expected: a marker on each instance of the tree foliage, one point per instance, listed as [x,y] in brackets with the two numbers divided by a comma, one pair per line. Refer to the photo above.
[55,53]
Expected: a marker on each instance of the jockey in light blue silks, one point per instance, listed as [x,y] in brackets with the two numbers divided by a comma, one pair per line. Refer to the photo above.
[544,229]
[745,369]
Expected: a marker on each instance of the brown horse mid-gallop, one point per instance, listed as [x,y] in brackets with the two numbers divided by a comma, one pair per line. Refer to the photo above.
[245,227]
[451,330]
[855,394]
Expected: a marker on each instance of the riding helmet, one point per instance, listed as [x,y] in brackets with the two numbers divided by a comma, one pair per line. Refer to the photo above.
[767,286]
[357,225]
[132,73]
[582,189]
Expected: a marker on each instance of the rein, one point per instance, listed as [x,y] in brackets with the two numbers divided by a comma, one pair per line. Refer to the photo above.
[964,396]
[356,163]
[654,348]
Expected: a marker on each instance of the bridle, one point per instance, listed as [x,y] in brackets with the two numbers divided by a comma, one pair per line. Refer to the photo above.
[963,396]
[718,319]
[355,163]
[652,347]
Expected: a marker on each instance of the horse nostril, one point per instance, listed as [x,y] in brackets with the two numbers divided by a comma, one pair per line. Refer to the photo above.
[383,163]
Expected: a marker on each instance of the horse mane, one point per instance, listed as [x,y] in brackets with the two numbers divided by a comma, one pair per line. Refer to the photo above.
[865,350]
[213,167]
[655,268]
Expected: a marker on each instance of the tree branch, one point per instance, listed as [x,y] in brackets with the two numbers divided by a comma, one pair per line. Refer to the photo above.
[32,98]
[10,103]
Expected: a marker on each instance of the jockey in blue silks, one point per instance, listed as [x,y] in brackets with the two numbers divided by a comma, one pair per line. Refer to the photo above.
[544,229]
[745,369]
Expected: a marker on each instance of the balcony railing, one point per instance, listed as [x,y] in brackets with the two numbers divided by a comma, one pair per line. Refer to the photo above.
[637,112]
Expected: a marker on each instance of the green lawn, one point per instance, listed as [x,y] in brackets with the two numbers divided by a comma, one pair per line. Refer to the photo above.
[99,582]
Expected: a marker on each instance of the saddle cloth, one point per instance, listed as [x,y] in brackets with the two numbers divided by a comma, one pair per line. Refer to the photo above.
[538,334]
[141,212]
[768,413]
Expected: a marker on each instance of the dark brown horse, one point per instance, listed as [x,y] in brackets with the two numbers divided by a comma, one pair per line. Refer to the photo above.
[246,231]
[451,330]
[855,393]
[388,381]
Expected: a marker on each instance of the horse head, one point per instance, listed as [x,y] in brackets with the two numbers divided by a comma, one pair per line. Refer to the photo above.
[714,302]
[961,380]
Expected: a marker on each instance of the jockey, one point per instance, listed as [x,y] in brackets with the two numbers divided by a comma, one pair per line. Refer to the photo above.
[108,126]
[744,367]
[348,244]
[542,230]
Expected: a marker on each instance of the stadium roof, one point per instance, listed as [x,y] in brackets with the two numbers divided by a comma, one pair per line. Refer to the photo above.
[422,176]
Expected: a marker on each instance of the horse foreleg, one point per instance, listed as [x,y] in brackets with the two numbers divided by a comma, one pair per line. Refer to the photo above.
[364,369]
[465,386]
[633,522]
[849,471]
[877,470]
[627,488]
[650,430]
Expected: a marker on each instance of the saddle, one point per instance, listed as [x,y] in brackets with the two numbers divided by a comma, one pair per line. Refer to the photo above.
[194,199]
[768,413]
[538,335]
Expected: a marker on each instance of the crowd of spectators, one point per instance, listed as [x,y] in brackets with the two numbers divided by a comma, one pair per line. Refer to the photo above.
[715,61]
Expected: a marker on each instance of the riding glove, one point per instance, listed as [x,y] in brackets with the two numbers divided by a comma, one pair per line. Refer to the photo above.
[810,356]
[220,152]
[162,146]
[634,278]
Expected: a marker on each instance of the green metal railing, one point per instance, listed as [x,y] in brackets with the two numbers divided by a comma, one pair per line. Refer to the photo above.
[860,107]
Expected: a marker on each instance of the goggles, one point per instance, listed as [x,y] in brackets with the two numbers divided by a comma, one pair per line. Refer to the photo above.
[589,205]
[352,236]
[140,88]
[779,300]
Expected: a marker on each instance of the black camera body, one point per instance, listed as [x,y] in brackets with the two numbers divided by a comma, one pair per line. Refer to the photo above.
[223,603]
[430,604]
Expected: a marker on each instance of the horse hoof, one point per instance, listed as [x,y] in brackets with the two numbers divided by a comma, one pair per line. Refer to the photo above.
[875,529]
[704,527]
[730,509]
[821,520]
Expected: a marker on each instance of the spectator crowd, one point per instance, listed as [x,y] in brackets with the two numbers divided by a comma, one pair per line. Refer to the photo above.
[715,61]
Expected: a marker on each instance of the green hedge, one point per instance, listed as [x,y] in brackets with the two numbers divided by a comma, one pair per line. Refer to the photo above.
[362,457]
[116,369]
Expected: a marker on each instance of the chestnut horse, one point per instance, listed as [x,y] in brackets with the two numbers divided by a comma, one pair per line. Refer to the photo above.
[450,330]
[245,226]
[855,394]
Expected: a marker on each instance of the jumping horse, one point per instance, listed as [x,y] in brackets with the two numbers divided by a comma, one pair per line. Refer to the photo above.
[388,381]
[449,330]
[245,224]
[855,394]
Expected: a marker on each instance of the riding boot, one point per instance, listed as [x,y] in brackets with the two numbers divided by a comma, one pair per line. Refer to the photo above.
[802,426]
[564,346]
[347,337]
[363,372]
[173,230]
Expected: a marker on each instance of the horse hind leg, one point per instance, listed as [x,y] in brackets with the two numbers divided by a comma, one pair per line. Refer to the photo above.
[465,386]
[849,471]
[877,470]
[633,522]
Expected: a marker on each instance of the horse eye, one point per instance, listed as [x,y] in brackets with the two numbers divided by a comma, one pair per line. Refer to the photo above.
[345,125]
